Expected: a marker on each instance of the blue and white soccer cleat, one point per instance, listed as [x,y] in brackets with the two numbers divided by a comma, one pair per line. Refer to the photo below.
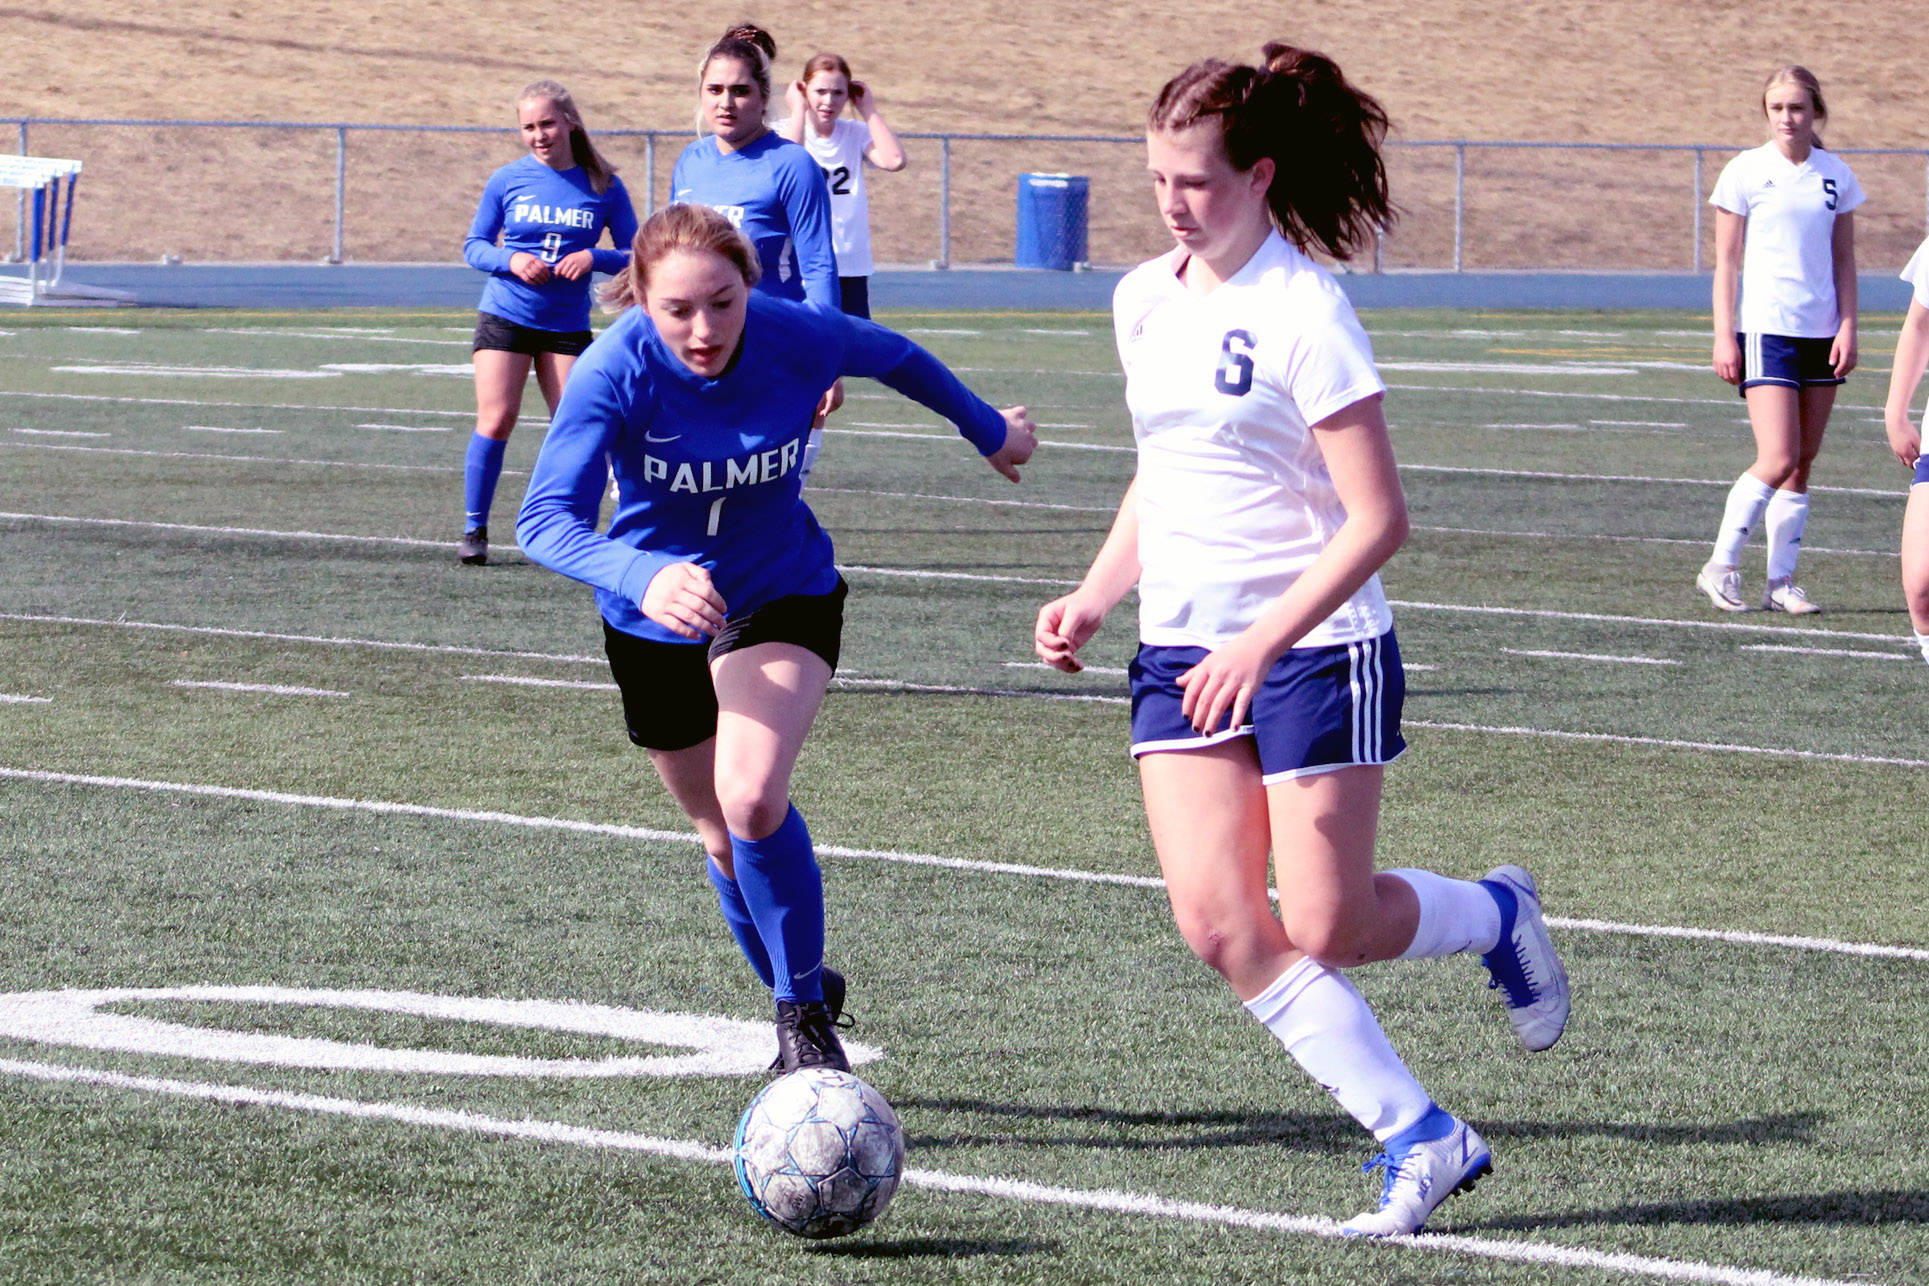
[1524,964]
[1417,1182]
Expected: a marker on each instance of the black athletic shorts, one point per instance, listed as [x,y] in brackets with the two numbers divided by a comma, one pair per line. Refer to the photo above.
[856,294]
[505,336]
[669,702]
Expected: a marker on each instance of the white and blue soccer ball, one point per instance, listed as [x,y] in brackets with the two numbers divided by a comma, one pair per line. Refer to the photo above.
[819,1153]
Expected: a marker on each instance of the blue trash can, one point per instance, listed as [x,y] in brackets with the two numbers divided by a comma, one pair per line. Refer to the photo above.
[1051,220]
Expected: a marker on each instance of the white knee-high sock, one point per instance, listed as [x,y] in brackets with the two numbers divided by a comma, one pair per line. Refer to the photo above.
[1922,641]
[1746,501]
[1455,916]
[1324,1023]
[1787,520]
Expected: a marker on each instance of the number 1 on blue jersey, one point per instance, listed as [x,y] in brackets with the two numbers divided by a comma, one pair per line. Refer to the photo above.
[716,516]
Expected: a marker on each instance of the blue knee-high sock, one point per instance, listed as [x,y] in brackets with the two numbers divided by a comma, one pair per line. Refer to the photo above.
[742,927]
[480,470]
[785,893]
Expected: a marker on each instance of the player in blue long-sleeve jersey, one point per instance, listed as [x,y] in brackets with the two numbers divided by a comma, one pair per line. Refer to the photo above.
[721,602]
[767,185]
[549,209]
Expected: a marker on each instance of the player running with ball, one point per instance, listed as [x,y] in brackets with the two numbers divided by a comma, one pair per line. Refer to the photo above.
[1267,687]
[722,605]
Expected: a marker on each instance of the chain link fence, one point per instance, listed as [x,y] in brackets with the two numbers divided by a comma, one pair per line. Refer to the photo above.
[234,191]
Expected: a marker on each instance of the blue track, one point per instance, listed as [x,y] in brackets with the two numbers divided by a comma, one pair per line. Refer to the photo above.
[982,289]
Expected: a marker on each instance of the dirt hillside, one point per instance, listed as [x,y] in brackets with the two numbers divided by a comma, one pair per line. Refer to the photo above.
[1637,71]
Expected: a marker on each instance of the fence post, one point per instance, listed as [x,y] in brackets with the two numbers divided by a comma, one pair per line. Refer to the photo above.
[944,203]
[1459,203]
[649,169]
[20,223]
[341,189]
[1697,209]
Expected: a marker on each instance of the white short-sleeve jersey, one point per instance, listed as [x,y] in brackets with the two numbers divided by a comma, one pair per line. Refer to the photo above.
[1234,500]
[841,156]
[1788,251]
[1916,273]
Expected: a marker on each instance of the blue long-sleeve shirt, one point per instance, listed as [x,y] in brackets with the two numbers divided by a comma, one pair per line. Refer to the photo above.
[547,213]
[706,469]
[775,195]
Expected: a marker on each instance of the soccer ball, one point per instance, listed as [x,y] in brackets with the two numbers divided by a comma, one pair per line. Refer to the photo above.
[819,1152]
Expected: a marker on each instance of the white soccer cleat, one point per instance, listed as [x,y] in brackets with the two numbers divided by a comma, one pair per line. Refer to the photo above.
[1418,1182]
[1524,964]
[1785,595]
[1722,585]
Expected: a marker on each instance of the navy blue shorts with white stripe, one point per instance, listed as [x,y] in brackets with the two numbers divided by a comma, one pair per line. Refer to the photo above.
[1786,361]
[1320,708]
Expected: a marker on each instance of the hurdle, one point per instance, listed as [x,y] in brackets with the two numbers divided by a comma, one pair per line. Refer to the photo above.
[47,228]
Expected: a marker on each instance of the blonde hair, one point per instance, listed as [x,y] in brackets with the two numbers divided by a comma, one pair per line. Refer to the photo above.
[695,228]
[1797,75]
[581,149]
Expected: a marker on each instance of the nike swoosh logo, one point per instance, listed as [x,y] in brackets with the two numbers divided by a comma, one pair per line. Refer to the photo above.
[651,437]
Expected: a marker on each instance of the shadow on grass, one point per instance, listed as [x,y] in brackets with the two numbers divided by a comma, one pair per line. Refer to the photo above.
[937,1248]
[1893,1206]
[1143,1131]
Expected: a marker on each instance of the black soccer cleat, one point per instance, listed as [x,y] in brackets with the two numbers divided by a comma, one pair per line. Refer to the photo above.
[473,548]
[833,1000]
[807,1037]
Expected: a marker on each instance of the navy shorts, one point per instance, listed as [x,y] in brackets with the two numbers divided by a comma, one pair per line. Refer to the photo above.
[1786,361]
[502,335]
[1320,708]
[856,294]
[1922,470]
[669,701]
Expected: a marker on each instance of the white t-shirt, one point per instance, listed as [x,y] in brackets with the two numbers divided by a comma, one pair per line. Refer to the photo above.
[1916,273]
[1233,494]
[1788,257]
[841,156]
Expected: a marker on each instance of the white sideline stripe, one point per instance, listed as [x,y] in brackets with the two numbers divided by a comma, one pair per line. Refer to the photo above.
[948,689]
[1111,670]
[228,531]
[272,689]
[61,433]
[1889,493]
[1551,614]
[1108,1200]
[527,681]
[262,459]
[251,406]
[1739,937]
[1636,540]
[1009,504]
[1043,442]
[18,698]
[451,649]
[1826,651]
[215,428]
[1644,424]
[1779,752]
[1482,391]
[970,576]
[408,428]
[1588,656]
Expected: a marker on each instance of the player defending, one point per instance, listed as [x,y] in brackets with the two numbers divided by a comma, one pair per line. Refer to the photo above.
[722,606]
[1905,439]
[550,209]
[1267,688]
[1784,230]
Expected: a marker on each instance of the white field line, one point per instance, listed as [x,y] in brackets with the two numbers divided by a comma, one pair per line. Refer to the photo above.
[215,428]
[528,681]
[254,459]
[391,808]
[1107,1200]
[320,640]
[973,500]
[408,428]
[229,531]
[61,433]
[1411,605]
[982,577]
[269,689]
[1887,493]
[1586,397]
[1588,656]
[1828,651]
[249,406]
[359,337]
[1669,743]
[1043,442]
[959,690]
[1112,671]
[20,698]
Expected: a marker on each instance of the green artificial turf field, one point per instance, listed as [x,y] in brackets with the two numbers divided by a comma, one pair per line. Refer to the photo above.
[261,734]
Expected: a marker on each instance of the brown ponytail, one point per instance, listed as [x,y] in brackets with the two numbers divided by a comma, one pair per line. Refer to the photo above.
[1329,188]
